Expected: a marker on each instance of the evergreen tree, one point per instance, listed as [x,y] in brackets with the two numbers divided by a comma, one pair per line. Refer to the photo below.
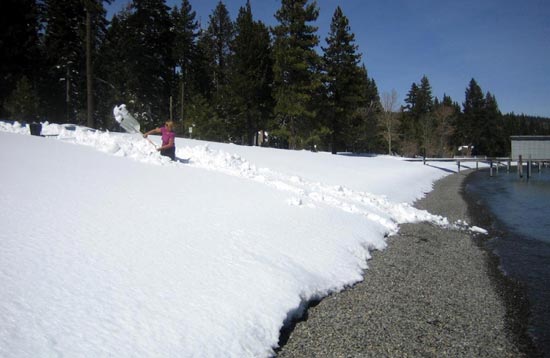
[65,54]
[204,120]
[250,77]
[185,53]
[410,100]
[23,102]
[65,90]
[150,60]
[95,34]
[296,79]
[492,135]
[417,120]
[204,66]
[343,81]
[113,72]
[469,126]
[426,135]
[365,120]
[424,98]
[215,51]
[388,122]
[136,64]
[445,114]
[408,120]
[218,36]
[19,46]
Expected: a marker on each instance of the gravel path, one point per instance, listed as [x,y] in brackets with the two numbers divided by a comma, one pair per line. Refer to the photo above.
[431,293]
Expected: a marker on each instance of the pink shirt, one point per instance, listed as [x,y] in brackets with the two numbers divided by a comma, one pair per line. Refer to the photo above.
[167,135]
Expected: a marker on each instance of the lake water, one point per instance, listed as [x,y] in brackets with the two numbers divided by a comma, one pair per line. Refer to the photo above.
[521,237]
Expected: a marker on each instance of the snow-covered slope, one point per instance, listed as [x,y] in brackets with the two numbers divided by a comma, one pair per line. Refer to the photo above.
[108,249]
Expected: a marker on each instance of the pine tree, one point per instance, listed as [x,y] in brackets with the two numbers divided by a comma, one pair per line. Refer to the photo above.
[250,77]
[65,54]
[215,50]
[389,122]
[417,120]
[151,60]
[343,81]
[424,98]
[469,127]
[23,102]
[408,125]
[445,114]
[19,45]
[365,123]
[113,71]
[295,70]
[95,33]
[65,44]
[113,58]
[492,139]
[218,36]
[185,53]
[148,57]
[426,123]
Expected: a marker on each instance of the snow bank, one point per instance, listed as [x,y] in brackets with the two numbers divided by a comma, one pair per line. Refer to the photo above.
[109,249]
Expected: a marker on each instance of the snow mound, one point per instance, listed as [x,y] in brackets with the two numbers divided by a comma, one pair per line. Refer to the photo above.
[109,249]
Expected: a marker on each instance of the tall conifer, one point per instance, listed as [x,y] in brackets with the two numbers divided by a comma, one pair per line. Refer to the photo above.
[218,36]
[150,60]
[65,55]
[295,70]
[186,56]
[250,77]
[343,81]
[19,46]
[469,127]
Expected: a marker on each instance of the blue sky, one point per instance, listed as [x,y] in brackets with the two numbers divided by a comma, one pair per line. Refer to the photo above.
[503,44]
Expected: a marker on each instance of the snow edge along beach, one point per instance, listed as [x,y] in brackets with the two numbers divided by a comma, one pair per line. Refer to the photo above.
[226,241]
[432,292]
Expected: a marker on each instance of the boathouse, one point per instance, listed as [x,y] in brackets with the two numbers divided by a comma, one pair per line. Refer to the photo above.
[530,147]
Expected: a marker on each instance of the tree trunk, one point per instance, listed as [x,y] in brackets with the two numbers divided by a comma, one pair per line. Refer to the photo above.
[89,75]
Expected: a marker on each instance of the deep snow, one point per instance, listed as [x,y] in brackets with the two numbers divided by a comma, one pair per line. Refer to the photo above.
[109,249]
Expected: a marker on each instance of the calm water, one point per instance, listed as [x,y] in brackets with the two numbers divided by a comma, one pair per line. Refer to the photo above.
[521,209]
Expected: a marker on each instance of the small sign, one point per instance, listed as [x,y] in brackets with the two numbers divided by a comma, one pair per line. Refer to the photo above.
[190,130]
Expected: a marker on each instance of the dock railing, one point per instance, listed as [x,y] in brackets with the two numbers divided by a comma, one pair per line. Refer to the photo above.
[494,163]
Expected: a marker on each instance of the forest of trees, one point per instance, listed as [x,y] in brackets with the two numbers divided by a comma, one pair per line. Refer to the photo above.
[63,61]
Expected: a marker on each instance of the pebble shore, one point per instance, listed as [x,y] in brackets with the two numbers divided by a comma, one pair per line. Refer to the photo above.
[432,293]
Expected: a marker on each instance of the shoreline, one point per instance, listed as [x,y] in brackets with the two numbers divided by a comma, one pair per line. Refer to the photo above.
[433,292]
[513,292]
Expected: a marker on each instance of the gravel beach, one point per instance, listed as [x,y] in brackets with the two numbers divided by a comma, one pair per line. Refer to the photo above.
[431,293]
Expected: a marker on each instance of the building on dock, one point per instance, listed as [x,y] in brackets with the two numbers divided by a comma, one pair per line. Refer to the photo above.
[530,147]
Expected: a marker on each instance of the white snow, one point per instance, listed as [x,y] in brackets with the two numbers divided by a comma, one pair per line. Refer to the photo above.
[108,249]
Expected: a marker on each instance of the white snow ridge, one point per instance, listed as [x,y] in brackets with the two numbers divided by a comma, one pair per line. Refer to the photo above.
[108,249]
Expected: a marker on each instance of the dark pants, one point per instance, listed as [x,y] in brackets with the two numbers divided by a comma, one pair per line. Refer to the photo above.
[170,152]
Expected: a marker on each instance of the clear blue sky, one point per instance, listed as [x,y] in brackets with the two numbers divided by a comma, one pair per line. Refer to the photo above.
[503,44]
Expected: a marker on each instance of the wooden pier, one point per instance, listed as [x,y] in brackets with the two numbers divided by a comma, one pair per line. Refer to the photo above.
[494,163]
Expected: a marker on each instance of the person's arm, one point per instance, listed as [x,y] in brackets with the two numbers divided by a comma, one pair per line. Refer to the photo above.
[152,131]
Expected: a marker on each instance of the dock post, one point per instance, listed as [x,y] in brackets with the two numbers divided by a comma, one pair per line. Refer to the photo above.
[529,168]
[491,168]
[540,166]
[509,164]
[520,167]
[458,164]
[498,163]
